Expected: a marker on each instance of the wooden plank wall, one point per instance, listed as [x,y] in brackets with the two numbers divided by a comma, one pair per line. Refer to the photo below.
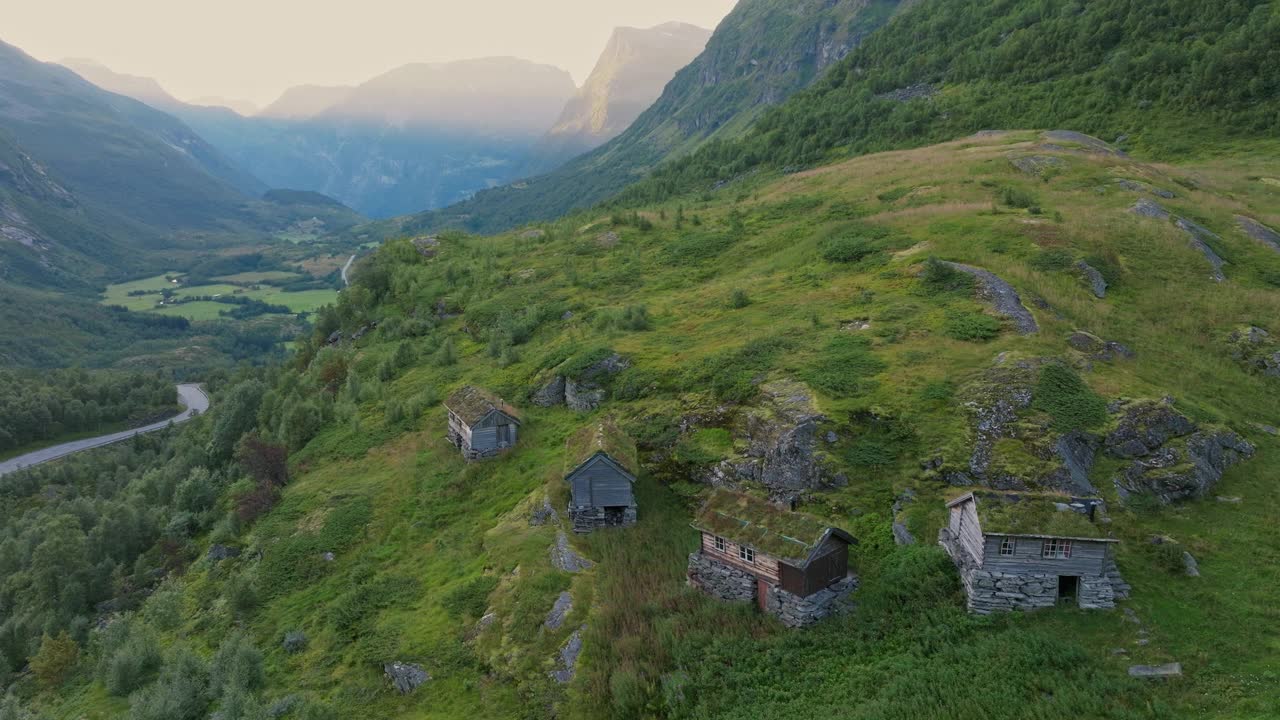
[1087,558]
[765,567]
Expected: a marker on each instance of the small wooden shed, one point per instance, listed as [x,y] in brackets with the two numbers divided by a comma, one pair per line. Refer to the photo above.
[480,424]
[787,557]
[600,468]
[1027,550]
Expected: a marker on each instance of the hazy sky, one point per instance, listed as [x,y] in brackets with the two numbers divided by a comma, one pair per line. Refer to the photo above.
[254,49]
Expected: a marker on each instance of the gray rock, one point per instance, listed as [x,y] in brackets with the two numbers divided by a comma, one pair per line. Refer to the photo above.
[564,558]
[902,536]
[921,91]
[544,514]
[568,658]
[608,239]
[1259,232]
[550,394]
[831,437]
[334,338]
[568,315]
[1268,429]
[295,641]
[1097,283]
[1156,671]
[1133,186]
[1131,616]
[1077,450]
[1146,208]
[1087,142]
[1189,562]
[1173,474]
[427,246]
[1145,427]
[780,433]
[1200,237]
[1037,165]
[1001,296]
[586,391]
[328,557]
[1255,348]
[1235,500]
[218,553]
[559,611]
[405,677]
[1095,348]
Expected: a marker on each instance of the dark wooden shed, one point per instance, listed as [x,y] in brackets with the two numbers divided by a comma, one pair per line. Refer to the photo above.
[600,468]
[481,424]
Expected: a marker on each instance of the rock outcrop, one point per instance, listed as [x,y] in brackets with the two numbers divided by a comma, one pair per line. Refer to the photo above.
[1097,283]
[559,611]
[1256,349]
[1093,347]
[405,677]
[1134,186]
[1037,165]
[1001,296]
[584,390]
[564,558]
[780,433]
[1200,236]
[568,658]
[1172,458]
[1259,232]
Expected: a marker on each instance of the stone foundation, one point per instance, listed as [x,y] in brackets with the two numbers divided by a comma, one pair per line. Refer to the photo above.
[728,583]
[990,591]
[797,612]
[585,520]
[720,580]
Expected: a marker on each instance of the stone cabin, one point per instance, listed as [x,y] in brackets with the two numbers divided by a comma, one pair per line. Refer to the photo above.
[790,564]
[600,468]
[480,424]
[1028,551]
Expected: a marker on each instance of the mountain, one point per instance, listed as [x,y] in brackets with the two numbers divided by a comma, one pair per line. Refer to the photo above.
[239,107]
[761,53]
[629,76]
[143,89]
[498,95]
[304,102]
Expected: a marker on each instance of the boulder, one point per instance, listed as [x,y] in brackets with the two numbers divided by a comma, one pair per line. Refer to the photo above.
[563,556]
[295,641]
[1259,232]
[559,611]
[1001,296]
[544,514]
[405,677]
[1156,671]
[902,536]
[1189,562]
[1145,427]
[1147,208]
[586,390]
[427,246]
[1097,283]
[1095,348]
[1185,469]
[1037,165]
[217,553]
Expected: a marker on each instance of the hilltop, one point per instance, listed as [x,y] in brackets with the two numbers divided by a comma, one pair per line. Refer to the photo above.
[837,315]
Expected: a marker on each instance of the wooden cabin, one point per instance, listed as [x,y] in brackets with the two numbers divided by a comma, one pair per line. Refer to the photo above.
[790,564]
[600,468]
[1027,551]
[480,424]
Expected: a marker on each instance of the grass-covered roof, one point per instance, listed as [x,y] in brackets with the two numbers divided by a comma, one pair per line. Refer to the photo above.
[472,403]
[757,523]
[605,436]
[1035,514]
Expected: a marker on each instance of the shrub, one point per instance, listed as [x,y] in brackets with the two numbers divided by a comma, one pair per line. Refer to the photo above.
[635,384]
[55,659]
[1062,394]
[738,299]
[295,641]
[970,326]
[1017,197]
[181,693]
[853,243]
[938,278]
[472,598]
[129,656]
[237,664]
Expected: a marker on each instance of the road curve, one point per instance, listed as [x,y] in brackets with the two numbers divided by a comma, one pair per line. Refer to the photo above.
[345,268]
[191,396]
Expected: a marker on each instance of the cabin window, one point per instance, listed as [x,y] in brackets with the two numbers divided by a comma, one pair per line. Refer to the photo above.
[747,554]
[1008,546]
[1056,549]
[720,544]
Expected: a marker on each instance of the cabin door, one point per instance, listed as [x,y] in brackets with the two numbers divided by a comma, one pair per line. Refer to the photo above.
[762,594]
[1068,588]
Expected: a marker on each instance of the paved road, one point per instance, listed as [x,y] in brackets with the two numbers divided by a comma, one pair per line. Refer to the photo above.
[345,268]
[191,396]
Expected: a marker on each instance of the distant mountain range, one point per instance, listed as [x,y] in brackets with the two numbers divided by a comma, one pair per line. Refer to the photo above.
[629,76]
[763,52]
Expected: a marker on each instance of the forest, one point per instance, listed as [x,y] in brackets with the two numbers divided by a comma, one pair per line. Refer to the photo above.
[37,407]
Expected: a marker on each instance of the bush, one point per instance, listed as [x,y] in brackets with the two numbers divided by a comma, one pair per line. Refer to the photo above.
[129,657]
[738,299]
[970,326]
[181,693]
[854,243]
[237,664]
[938,278]
[295,641]
[1017,197]
[55,659]
[1062,394]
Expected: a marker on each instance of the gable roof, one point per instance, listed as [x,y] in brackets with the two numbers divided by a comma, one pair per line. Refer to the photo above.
[605,436]
[1035,514]
[756,523]
[472,404]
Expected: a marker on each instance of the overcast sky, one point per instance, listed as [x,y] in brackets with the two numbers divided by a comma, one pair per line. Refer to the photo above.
[254,49]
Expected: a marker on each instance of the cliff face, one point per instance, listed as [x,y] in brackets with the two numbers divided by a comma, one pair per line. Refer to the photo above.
[629,76]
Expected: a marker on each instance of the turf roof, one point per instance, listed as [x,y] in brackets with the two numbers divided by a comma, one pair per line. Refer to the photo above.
[757,523]
[1033,514]
[472,403]
[601,435]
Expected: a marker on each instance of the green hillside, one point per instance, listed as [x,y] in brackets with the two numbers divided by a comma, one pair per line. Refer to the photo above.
[823,293]
[761,53]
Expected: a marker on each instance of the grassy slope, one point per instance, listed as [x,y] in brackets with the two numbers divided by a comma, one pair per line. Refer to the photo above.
[411,525]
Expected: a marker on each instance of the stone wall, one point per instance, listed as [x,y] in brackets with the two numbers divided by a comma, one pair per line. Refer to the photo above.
[796,612]
[585,520]
[989,591]
[725,582]
[720,580]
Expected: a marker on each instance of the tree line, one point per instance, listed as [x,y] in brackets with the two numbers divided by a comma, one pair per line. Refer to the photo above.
[35,407]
